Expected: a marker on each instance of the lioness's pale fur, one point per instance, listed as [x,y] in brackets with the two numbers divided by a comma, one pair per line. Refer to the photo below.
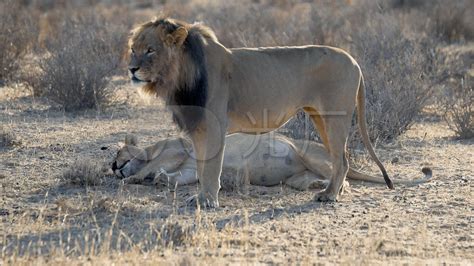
[213,91]
[264,160]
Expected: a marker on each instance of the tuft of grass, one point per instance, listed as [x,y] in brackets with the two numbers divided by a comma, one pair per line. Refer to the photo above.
[83,172]
[7,138]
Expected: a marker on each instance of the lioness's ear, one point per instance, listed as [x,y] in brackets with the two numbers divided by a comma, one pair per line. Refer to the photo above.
[131,140]
[177,37]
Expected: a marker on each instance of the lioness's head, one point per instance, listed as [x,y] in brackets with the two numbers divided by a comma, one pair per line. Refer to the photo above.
[156,51]
[130,158]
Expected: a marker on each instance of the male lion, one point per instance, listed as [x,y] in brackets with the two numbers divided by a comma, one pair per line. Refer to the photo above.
[213,91]
[264,160]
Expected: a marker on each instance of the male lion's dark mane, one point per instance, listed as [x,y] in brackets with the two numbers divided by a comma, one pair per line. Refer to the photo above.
[188,100]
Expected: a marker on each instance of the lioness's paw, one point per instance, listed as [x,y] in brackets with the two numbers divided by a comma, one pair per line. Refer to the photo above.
[325,196]
[133,180]
[204,202]
[344,188]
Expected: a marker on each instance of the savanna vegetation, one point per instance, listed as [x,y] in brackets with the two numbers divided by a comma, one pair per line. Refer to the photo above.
[65,102]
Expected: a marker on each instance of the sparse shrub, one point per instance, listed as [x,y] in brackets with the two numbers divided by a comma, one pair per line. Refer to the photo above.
[394,67]
[452,20]
[16,36]
[300,127]
[458,107]
[74,71]
[84,172]
[7,139]
[449,21]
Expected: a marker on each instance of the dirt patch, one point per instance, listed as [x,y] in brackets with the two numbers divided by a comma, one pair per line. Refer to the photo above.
[44,218]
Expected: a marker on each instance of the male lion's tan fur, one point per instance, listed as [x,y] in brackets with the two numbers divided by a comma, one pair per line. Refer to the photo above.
[264,160]
[213,91]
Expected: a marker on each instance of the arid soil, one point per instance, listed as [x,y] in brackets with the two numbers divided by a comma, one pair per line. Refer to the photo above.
[45,219]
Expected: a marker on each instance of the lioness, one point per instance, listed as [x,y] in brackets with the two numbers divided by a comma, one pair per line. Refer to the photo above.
[264,160]
[213,91]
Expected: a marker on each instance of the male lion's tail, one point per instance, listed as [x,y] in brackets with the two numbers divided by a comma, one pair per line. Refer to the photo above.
[363,130]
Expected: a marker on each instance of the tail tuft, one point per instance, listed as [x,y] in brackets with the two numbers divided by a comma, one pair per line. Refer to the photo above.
[427,171]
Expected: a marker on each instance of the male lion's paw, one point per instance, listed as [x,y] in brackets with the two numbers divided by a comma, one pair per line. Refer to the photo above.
[204,202]
[325,196]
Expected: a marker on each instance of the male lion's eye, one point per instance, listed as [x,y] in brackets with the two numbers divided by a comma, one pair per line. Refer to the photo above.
[150,51]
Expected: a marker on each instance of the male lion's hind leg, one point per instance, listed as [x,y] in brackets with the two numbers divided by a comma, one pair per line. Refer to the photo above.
[318,122]
[337,131]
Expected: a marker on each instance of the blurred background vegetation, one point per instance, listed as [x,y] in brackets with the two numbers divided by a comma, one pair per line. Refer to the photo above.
[413,53]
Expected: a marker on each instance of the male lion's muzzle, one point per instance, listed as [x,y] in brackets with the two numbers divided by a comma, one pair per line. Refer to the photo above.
[133,69]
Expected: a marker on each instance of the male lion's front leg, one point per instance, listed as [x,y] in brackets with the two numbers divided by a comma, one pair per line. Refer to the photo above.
[209,149]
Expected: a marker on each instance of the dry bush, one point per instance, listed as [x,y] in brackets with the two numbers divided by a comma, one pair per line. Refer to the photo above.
[16,37]
[394,63]
[7,139]
[458,107]
[449,21]
[84,172]
[452,20]
[78,62]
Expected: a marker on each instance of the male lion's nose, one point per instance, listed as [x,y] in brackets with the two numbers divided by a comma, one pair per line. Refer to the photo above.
[133,69]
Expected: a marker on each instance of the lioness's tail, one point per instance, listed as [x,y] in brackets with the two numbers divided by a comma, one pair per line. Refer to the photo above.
[356,175]
[363,130]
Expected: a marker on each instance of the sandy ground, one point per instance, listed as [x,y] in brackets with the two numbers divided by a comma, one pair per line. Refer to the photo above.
[45,220]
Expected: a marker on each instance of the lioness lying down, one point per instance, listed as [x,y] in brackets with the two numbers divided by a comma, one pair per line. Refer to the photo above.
[264,160]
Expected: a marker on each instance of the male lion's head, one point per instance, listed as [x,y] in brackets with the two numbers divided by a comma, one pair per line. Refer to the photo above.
[130,158]
[168,56]
[156,49]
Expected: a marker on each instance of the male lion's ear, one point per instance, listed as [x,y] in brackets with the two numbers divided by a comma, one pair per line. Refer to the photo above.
[177,37]
[131,140]
[180,35]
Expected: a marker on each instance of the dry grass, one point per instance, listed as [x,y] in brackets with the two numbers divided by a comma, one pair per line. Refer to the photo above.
[84,172]
[47,222]
[7,138]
